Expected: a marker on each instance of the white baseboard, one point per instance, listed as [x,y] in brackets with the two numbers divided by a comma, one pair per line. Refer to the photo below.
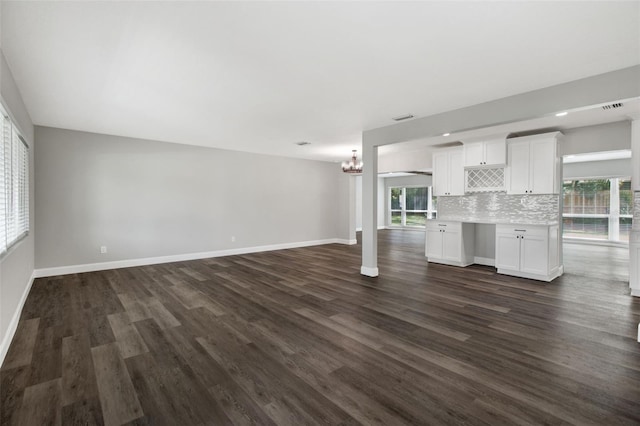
[128,263]
[347,242]
[379,228]
[369,272]
[13,324]
[487,261]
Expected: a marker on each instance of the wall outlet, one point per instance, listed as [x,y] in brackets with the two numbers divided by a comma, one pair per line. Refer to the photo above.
[233,239]
[103,249]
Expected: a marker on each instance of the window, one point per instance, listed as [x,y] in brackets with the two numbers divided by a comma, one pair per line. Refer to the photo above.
[599,209]
[14,185]
[411,206]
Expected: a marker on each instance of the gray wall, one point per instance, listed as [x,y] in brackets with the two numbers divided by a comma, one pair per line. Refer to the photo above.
[406,161]
[16,266]
[603,137]
[597,169]
[145,199]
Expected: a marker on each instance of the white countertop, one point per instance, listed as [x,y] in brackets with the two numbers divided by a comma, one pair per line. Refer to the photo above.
[491,221]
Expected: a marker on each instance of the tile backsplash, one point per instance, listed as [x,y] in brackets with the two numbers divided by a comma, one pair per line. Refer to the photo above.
[498,206]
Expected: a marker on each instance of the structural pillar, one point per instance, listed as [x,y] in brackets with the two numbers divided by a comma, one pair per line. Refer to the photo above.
[369,210]
[634,237]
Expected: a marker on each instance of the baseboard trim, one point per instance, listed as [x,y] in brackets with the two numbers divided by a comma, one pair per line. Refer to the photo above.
[13,324]
[128,263]
[369,272]
[347,242]
[379,228]
[487,261]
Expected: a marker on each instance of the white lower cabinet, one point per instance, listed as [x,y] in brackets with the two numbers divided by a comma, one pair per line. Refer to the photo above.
[451,243]
[528,251]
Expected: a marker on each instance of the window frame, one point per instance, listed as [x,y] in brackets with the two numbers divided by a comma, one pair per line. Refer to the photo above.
[613,214]
[430,212]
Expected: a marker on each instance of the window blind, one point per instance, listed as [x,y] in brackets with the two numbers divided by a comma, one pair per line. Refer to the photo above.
[4,131]
[14,185]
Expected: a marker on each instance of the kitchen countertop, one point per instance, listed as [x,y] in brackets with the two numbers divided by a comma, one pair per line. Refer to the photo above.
[491,221]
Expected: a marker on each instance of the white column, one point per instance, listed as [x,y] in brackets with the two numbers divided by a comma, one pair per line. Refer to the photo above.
[369,210]
[614,210]
[634,237]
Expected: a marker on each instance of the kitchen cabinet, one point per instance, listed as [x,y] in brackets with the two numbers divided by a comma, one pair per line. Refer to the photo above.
[487,153]
[528,251]
[533,165]
[448,172]
[448,242]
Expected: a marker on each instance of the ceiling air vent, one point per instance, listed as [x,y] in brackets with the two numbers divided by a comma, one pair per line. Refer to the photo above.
[612,106]
[403,117]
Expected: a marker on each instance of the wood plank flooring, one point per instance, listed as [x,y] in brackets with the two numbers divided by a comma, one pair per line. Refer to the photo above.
[297,337]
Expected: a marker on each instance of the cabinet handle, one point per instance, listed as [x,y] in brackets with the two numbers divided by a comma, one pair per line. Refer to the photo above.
[520,230]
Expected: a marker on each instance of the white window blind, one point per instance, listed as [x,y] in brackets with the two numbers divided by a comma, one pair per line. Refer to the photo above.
[6,129]
[14,185]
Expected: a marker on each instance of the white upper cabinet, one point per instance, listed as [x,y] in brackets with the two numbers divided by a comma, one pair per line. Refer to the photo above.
[448,172]
[533,165]
[486,153]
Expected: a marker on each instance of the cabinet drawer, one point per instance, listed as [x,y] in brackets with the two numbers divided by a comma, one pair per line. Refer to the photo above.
[523,229]
[444,224]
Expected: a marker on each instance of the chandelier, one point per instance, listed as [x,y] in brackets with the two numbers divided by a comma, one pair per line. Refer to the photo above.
[353,166]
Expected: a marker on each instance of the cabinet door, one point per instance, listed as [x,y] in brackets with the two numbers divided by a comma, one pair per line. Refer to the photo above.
[507,251]
[473,154]
[440,173]
[456,172]
[434,243]
[518,167]
[495,152]
[452,245]
[542,166]
[534,255]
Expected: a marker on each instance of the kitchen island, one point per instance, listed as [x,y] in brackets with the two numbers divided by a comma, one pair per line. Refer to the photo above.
[529,250]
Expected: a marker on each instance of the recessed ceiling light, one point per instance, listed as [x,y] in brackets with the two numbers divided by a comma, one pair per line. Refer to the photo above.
[303,143]
[562,114]
[446,134]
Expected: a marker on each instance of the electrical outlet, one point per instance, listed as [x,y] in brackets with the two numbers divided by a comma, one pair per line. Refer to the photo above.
[103,249]
[233,239]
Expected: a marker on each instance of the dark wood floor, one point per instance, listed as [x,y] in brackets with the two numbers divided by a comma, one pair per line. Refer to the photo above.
[298,337]
[595,261]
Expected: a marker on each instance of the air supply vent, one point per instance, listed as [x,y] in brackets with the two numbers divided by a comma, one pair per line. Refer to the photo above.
[612,106]
[403,117]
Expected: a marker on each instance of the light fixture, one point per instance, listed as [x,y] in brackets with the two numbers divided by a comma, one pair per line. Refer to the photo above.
[446,134]
[353,166]
[562,114]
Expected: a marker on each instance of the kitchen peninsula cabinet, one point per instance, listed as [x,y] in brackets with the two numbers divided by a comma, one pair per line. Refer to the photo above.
[449,242]
[528,251]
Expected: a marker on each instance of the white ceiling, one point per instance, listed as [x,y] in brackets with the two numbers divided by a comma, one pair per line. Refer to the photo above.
[261,76]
